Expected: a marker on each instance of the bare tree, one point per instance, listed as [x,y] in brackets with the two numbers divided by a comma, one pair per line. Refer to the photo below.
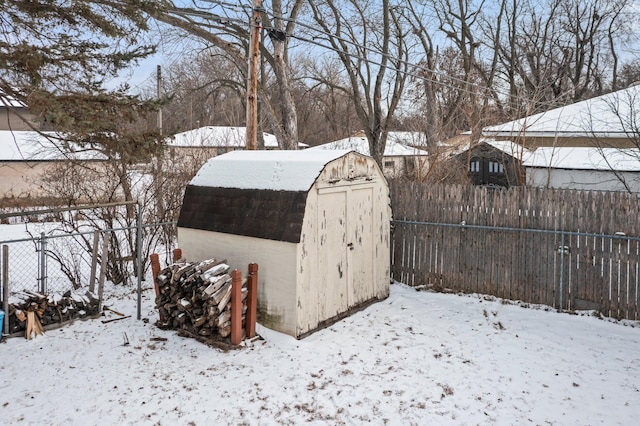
[561,51]
[225,30]
[327,111]
[370,40]
[205,89]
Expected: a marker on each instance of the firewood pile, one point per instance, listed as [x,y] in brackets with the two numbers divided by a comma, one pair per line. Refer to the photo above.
[31,312]
[194,298]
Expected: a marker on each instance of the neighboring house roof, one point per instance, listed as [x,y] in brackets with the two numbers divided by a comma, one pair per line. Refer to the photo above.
[613,115]
[508,147]
[413,139]
[270,170]
[361,145]
[34,146]
[408,138]
[581,158]
[9,101]
[218,137]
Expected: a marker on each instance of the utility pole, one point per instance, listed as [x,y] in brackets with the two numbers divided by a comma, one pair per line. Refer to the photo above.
[159,79]
[158,176]
[252,77]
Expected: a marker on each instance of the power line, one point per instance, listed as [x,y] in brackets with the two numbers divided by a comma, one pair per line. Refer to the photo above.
[466,86]
[513,100]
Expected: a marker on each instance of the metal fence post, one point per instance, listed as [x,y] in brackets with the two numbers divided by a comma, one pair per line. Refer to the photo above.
[139,256]
[94,261]
[103,269]
[562,250]
[42,270]
[5,287]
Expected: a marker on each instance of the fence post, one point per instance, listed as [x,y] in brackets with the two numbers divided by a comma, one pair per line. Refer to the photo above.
[103,270]
[177,254]
[94,261]
[5,287]
[155,270]
[42,271]
[252,300]
[139,256]
[562,250]
[236,307]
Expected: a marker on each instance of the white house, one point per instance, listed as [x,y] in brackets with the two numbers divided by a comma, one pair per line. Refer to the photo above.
[315,221]
[602,169]
[25,156]
[398,158]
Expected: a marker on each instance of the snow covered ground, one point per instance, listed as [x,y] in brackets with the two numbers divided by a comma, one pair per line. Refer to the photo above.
[415,358]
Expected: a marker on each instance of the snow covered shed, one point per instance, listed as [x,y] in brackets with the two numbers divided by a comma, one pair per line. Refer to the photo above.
[316,222]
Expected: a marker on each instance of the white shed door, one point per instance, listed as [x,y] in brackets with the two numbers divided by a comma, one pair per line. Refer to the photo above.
[346,240]
[360,244]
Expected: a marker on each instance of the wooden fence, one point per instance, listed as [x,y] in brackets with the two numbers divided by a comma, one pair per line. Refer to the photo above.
[570,250]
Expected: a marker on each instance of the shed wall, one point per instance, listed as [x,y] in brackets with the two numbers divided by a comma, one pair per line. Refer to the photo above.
[343,256]
[276,275]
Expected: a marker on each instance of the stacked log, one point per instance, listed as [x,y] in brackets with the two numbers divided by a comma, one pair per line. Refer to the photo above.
[31,312]
[195,298]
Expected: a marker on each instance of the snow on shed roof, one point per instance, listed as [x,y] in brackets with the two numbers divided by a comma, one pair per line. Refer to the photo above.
[270,170]
[33,146]
[217,136]
[360,144]
[581,158]
[608,116]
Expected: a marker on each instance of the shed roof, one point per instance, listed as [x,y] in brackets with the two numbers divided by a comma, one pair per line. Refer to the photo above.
[217,136]
[360,144]
[260,194]
[272,215]
[581,158]
[613,115]
[271,170]
[34,146]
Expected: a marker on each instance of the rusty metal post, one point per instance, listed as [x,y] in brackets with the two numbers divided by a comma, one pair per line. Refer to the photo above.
[177,254]
[236,307]
[252,300]
[155,270]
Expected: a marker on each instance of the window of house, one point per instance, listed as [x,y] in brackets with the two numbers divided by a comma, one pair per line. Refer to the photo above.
[495,167]
[389,164]
[474,166]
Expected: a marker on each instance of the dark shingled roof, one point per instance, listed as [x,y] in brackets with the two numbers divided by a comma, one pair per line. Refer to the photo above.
[272,215]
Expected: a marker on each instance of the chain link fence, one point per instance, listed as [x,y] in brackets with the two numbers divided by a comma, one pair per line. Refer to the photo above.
[62,262]
[41,257]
